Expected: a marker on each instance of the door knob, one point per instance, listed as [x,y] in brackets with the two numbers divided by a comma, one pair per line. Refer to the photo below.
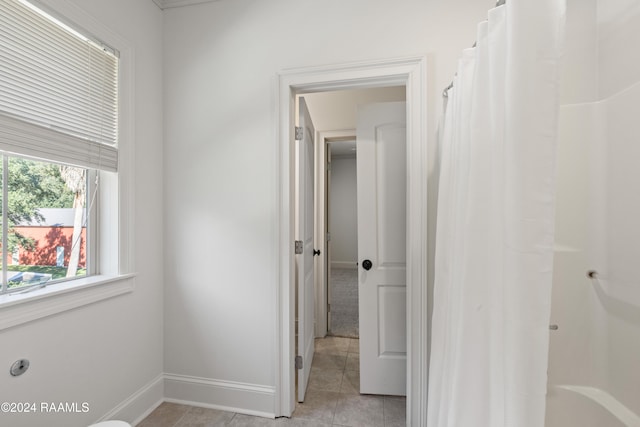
[367,264]
[316,252]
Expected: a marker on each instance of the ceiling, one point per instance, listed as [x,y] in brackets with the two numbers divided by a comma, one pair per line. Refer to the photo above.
[166,4]
[338,110]
[343,148]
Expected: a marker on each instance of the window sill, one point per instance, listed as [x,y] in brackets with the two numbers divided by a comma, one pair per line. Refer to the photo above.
[17,308]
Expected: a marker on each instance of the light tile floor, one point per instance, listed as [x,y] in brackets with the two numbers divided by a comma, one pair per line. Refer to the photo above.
[333,399]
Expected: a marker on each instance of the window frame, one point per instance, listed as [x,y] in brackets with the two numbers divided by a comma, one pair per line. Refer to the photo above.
[91,235]
[113,221]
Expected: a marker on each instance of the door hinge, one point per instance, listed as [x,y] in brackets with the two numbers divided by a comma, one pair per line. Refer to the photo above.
[298,247]
[299,133]
[328,308]
[328,237]
[298,362]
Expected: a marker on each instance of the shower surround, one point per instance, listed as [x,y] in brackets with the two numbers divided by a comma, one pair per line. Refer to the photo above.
[593,376]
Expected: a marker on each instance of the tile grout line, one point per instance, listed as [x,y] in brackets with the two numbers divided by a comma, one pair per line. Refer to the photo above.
[177,423]
[232,418]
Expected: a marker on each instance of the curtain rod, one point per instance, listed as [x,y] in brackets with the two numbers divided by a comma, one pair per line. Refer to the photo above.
[445,92]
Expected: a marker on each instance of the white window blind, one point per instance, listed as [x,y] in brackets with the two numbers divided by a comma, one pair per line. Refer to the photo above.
[58,90]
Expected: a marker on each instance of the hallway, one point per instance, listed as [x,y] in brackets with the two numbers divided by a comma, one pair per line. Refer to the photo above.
[344,302]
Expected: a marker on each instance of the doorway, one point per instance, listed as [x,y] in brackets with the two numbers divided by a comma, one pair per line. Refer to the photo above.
[411,73]
[366,219]
[336,234]
[342,241]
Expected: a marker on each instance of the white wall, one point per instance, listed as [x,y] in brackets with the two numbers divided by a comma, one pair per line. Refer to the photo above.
[221,65]
[105,352]
[343,212]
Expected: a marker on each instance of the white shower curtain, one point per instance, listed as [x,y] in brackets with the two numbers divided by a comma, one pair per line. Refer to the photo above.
[495,229]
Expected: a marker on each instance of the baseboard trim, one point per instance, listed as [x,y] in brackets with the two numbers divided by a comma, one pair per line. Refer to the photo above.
[140,404]
[352,265]
[249,399]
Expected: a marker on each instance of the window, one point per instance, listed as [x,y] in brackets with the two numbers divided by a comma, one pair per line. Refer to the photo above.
[65,195]
[45,222]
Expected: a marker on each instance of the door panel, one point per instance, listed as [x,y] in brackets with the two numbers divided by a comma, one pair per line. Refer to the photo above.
[392,300]
[305,261]
[381,163]
[391,196]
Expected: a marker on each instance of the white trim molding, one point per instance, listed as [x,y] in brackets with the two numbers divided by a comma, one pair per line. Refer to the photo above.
[411,73]
[242,398]
[249,399]
[140,404]
[18,308]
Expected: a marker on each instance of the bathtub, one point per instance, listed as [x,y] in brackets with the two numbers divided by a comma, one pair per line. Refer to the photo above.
[581,406]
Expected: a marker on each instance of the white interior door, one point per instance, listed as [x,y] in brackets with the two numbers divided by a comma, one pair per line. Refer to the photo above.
[327,257]
[304,261]
[381,163]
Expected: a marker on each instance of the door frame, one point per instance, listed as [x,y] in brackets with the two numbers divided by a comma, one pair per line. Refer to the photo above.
[322,194]
[411,73]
